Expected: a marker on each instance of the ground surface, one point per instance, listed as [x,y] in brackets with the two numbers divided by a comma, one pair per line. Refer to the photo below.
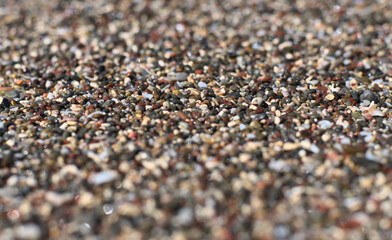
[195,119]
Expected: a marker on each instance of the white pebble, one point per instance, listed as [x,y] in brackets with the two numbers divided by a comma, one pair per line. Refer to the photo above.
[278,165]
[147,95]
[28,231]
[102,177]
[50,96]
[183,217]
[202,85]
[325,124]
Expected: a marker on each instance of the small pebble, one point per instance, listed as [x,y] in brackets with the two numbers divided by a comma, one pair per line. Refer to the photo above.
[28,231]
[202,85]
[102,177]
[324,124]
[369,95]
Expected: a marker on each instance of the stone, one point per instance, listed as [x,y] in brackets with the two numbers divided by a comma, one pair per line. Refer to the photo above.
[369,95]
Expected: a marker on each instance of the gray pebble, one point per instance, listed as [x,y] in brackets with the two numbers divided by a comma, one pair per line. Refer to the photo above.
[369,95]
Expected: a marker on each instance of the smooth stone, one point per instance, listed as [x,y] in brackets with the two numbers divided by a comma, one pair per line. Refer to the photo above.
[102,177]
[146,95]
[324,124]
[28,231]
[181,76]
[202,85]
[368,95]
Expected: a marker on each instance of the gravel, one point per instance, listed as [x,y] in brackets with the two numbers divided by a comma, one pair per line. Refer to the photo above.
[195,119]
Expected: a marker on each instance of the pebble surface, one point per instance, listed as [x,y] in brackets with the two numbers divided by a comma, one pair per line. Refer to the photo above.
[195,119]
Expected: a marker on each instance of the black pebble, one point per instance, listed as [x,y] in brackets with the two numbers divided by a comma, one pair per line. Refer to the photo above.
[4,102]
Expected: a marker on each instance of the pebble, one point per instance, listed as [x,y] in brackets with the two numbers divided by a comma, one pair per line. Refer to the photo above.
[278,166]
[202,85]
[102,177]
[28,231]
[148,96]
[369,95]
[4,102]
[325,124]
[57,199]
[180,76]
[330,97]
[290,146]
[184,217]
